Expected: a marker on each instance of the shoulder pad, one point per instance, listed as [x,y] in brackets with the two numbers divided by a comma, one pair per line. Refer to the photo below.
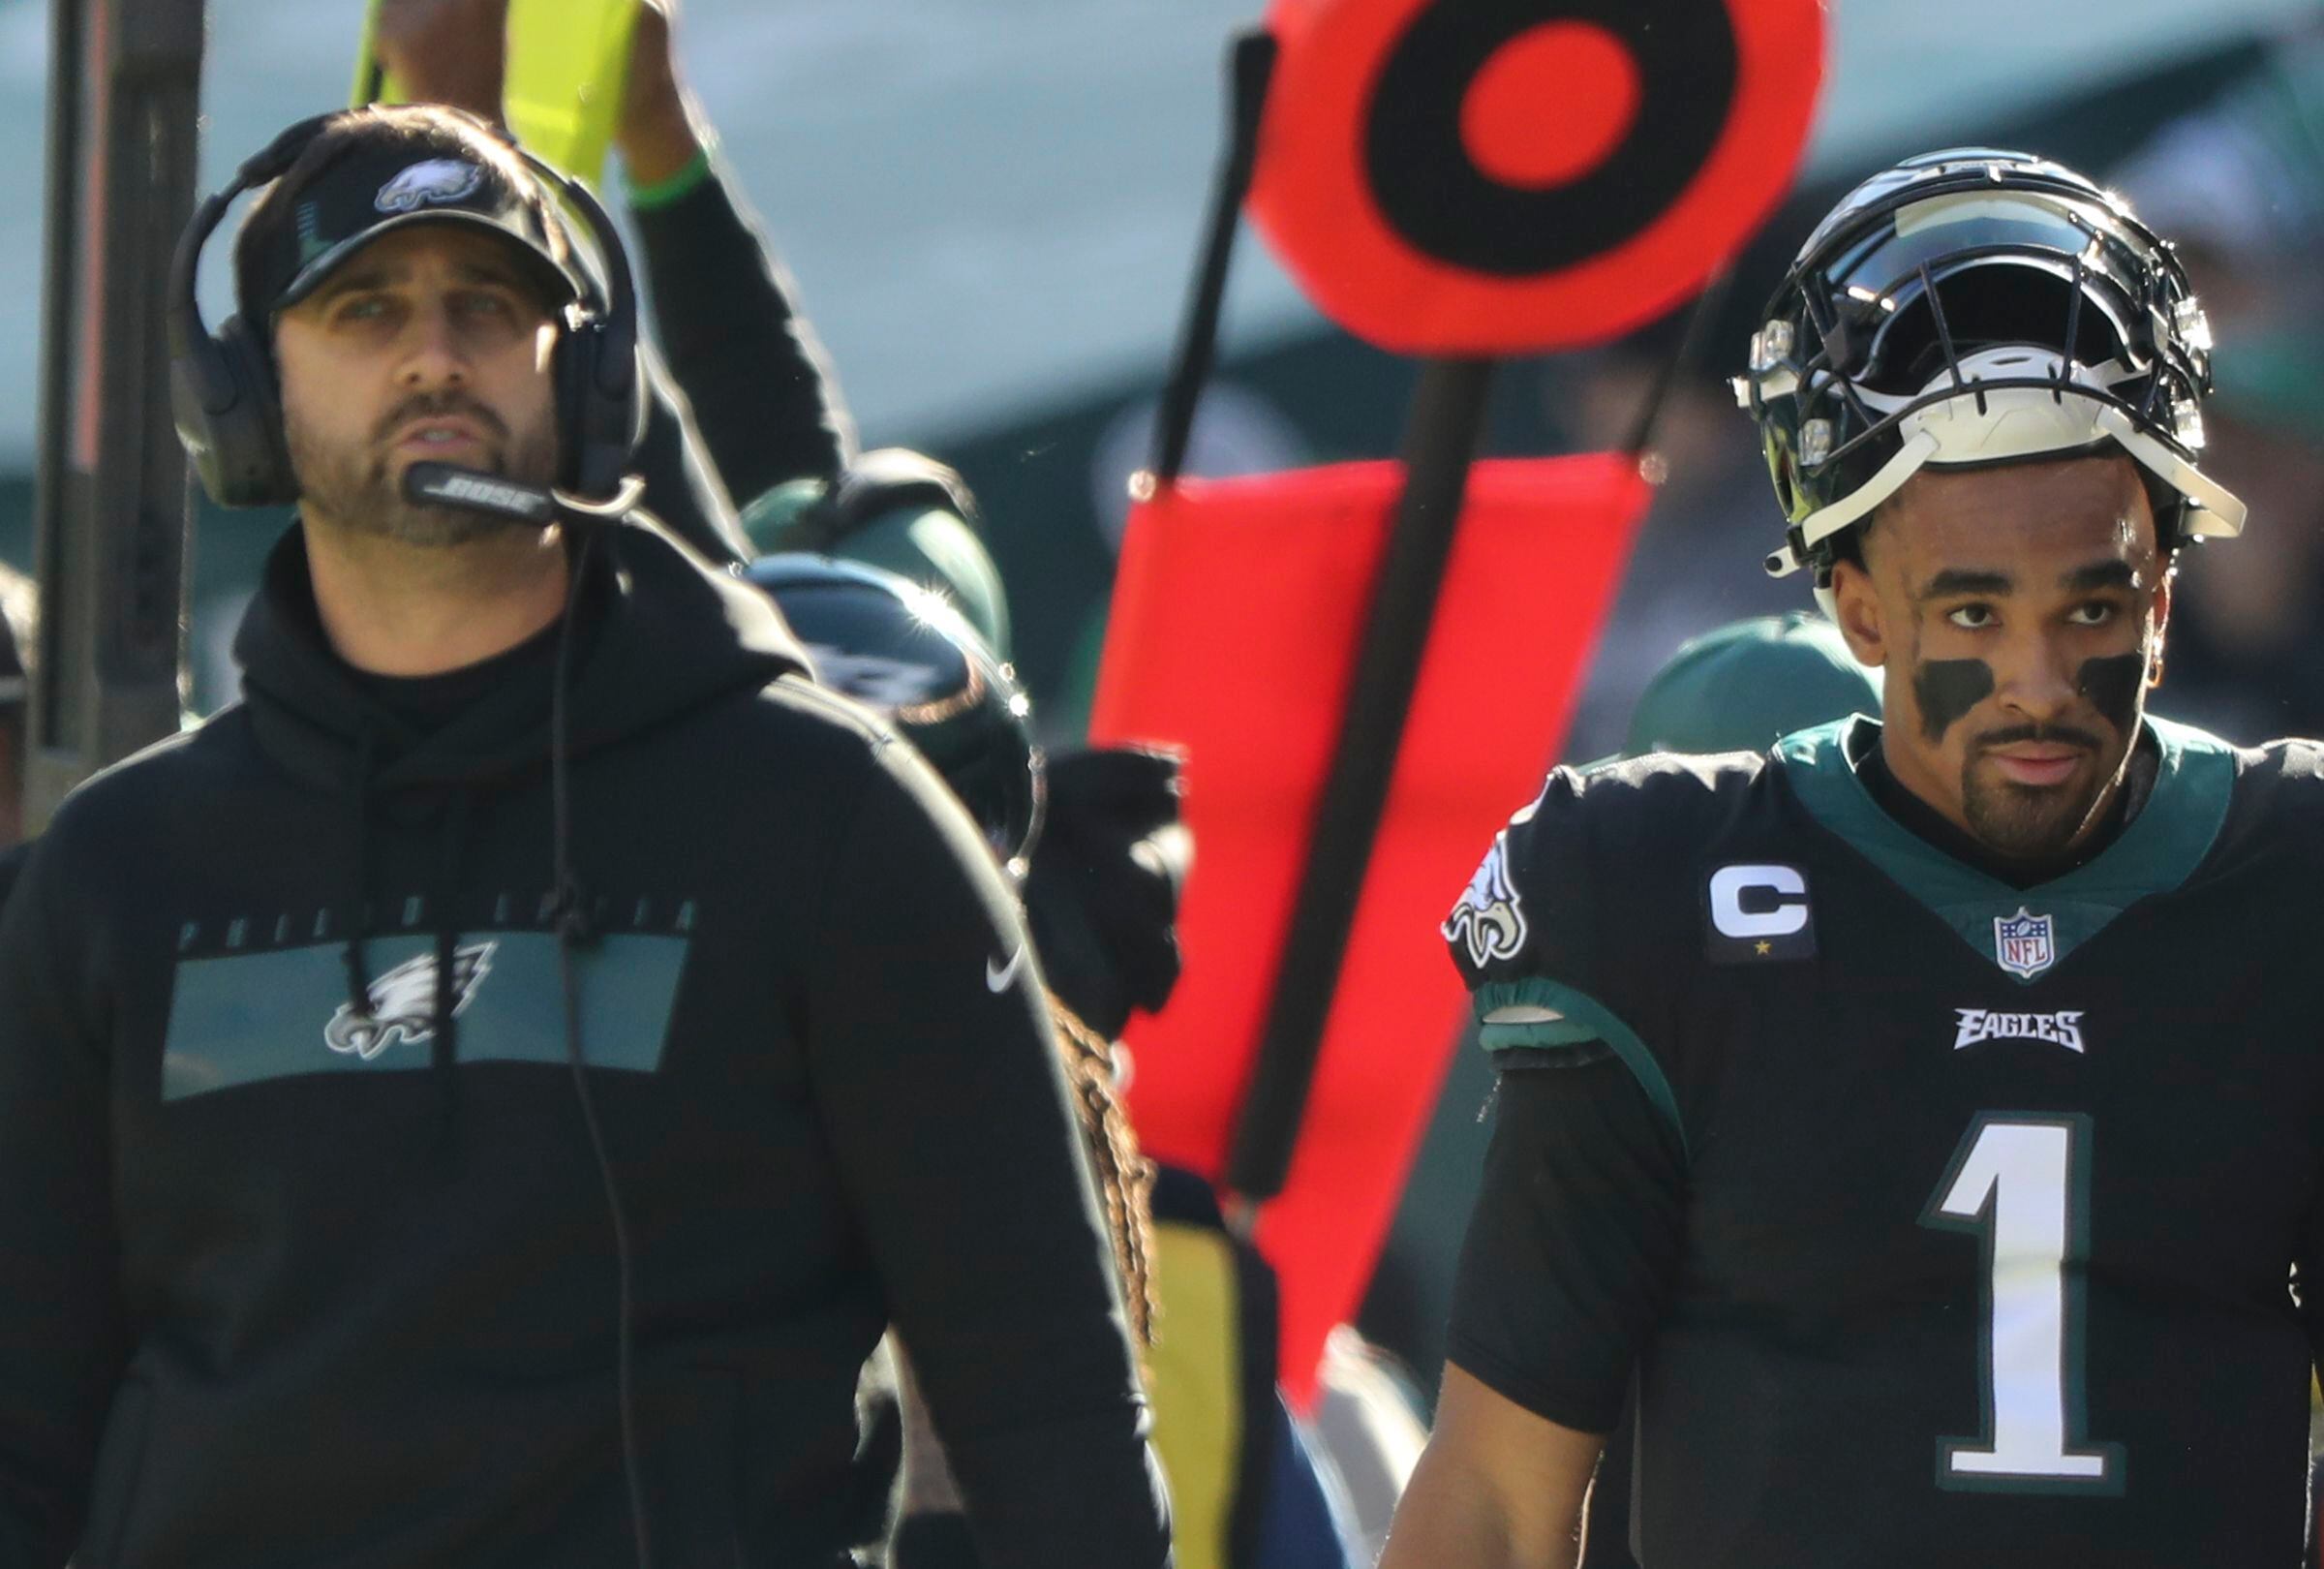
[2277,807]
[2290,759]
[1533,905]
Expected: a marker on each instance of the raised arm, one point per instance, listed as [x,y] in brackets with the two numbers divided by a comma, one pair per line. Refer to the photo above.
[759,385]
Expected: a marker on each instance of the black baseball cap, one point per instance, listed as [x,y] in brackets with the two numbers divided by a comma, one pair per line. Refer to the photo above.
[372,171]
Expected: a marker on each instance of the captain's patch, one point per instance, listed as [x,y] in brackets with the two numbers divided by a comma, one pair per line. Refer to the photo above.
[1758,912]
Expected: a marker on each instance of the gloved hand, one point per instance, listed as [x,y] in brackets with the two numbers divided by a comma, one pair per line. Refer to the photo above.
[1102,895]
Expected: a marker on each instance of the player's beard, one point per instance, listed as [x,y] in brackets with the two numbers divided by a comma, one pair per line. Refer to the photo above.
[354,486]
[2024,822]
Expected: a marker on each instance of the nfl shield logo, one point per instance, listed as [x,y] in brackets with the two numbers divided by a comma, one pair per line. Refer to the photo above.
[2021,942]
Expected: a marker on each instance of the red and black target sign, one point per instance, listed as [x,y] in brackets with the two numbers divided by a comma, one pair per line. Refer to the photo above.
[1499,176]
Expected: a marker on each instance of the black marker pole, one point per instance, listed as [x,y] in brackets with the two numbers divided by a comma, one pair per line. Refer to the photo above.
[1250,67]
[1440,444]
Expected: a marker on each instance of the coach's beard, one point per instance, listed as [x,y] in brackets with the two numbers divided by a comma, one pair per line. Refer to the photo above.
[355,487]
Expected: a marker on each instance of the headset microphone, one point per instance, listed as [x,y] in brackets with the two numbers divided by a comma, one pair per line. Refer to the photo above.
[447,484]
[440,484]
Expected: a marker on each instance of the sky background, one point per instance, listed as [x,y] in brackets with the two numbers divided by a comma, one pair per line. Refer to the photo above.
[992,205]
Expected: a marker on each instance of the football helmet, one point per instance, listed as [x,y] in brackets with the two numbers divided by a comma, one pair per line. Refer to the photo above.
[908,654]
[1971,307]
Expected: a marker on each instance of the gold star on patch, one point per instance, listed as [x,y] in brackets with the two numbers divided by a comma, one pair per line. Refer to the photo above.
[1764,948]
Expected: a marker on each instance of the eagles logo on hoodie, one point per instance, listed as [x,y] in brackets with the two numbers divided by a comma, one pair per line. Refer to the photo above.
[403,1003]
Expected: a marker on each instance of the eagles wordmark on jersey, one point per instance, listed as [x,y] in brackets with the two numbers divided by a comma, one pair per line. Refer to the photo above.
[1992,1195]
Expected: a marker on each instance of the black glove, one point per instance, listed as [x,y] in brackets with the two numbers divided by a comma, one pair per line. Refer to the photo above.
[1102,894]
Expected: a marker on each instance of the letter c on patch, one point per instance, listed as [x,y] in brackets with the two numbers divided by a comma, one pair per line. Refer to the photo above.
[1787,915]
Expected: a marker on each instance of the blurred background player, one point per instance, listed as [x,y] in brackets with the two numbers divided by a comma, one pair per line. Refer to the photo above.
[905,653]
[1249,1489]
[2239,185]
[895,509]
[1746,684]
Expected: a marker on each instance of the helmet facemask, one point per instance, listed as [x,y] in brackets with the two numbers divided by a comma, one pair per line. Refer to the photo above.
[1969,309]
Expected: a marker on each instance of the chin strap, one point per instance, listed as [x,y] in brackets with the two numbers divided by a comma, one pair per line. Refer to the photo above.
[1857,506]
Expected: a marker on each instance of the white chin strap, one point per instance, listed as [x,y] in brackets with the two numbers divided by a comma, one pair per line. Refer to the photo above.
[2016,422]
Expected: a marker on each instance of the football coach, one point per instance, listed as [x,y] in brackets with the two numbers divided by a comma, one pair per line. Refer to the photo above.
[479,1100]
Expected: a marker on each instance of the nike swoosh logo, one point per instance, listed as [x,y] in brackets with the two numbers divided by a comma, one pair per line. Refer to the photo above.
[999,976]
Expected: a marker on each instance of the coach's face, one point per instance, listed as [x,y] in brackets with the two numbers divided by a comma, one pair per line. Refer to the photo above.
[2017,614]
[429,344]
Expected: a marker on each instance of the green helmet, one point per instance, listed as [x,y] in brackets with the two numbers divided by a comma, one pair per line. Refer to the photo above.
[905,653]
[1741,688]
[899,511]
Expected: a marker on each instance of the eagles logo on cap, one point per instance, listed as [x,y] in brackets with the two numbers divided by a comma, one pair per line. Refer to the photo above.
[373,171]
[438,179]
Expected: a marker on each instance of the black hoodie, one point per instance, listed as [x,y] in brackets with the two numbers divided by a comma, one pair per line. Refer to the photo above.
[300,1278]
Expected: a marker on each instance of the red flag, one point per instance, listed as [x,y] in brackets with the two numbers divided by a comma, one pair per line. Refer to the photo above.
[1235,617]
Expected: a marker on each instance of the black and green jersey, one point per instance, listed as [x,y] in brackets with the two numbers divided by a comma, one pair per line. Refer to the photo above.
[1940,1222]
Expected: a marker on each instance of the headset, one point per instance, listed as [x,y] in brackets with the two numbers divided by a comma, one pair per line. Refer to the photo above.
[228,405]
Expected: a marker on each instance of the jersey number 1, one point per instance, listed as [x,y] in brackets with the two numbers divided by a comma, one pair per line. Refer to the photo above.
[2022,1184]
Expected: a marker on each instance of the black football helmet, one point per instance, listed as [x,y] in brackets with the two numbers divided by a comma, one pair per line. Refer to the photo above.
[908,654]
[1973,307]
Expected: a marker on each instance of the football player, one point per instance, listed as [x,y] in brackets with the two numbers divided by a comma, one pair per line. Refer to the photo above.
[1923,1115]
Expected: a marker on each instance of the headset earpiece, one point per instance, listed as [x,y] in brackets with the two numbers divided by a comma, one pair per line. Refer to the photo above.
[599,419]
[223,399]
[222,389]
[600,397]
[253,456]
